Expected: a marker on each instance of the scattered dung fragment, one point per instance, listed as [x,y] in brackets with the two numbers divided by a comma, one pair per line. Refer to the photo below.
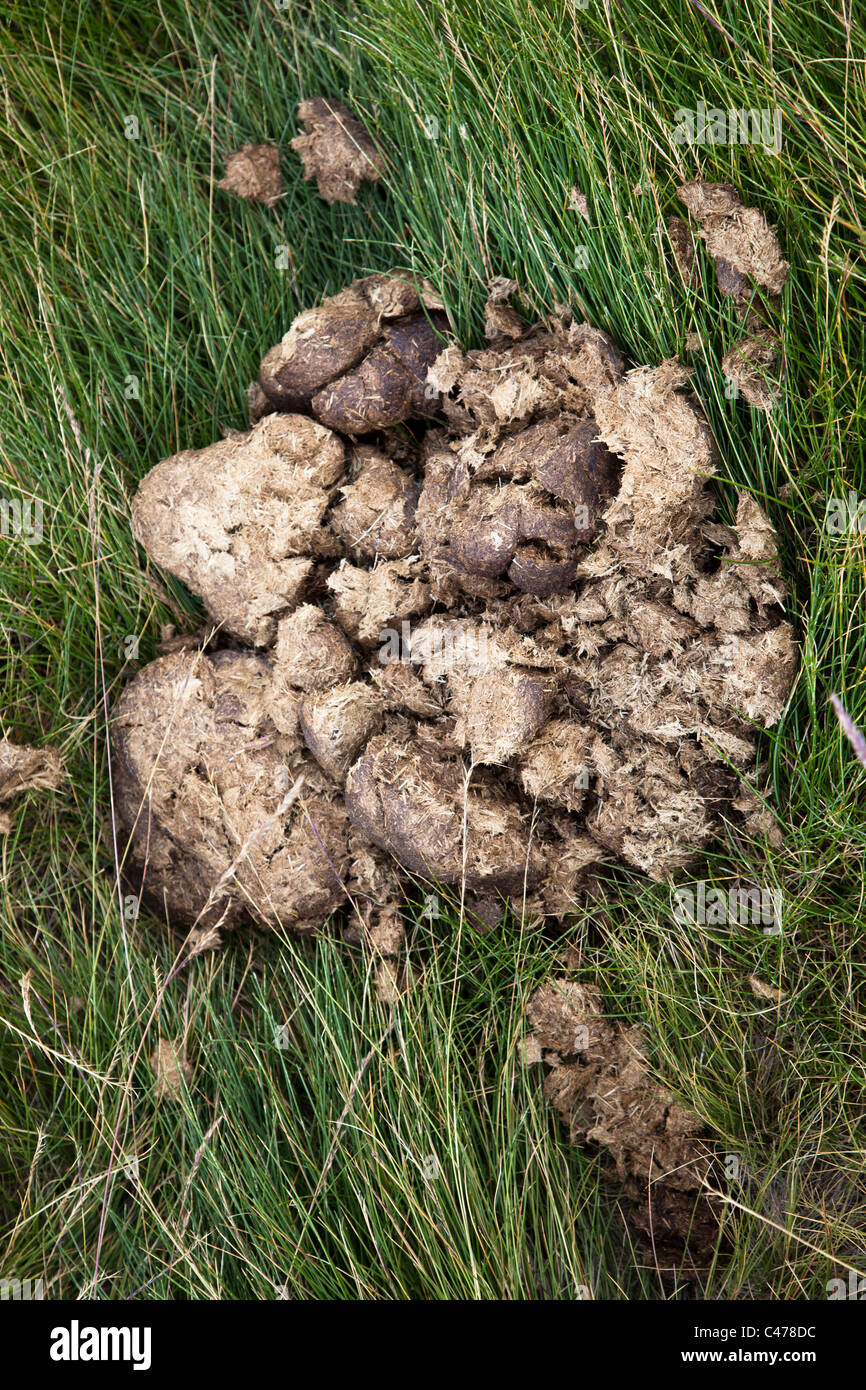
[750,271]
[752,364]
[23,769]
[172,1072]
[577,202]
[253,173]
[683,248]
[500,320]
[762,990]
[336,150]
[758,820]
[600,1084]
[740,237]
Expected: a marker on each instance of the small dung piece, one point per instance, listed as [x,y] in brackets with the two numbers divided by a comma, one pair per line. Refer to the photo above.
[522,516]
[577,202]
[405,692]
[556,765]
[377,513]
[732,283]
[741,237]
[683,248]
[529,1051]
[319,345]
[752,364]
[171,1070]
[417,802]
[762,990]
[24,769]
[336,149]
[257,403]
[386,934]
[500,320]
[371,605]
[758,820]
[600,1084]
[337,723]
[311,653]
[542,375]
[388,386]
[253,173]
[498,703]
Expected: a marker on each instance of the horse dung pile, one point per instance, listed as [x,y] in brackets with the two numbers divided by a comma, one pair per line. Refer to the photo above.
[475,621]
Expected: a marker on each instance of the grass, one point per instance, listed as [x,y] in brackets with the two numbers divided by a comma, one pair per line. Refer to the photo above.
[404,1153]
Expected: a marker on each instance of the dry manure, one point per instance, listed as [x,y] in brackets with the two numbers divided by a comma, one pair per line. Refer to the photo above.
[359,361]
[600,1084]
[24,768]
[253,173]
[336,149]
[750,272]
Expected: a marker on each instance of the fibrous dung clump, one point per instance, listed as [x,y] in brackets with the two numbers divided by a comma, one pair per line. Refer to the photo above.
[739,239]
[336,149]
[494,647]
[752,364]
[683,248]
[750,272]
[600,1084]
[230,815]
[241,522]
[253,173]
[23,769]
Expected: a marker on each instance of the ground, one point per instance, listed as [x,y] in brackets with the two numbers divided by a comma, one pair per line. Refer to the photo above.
[309,1139]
